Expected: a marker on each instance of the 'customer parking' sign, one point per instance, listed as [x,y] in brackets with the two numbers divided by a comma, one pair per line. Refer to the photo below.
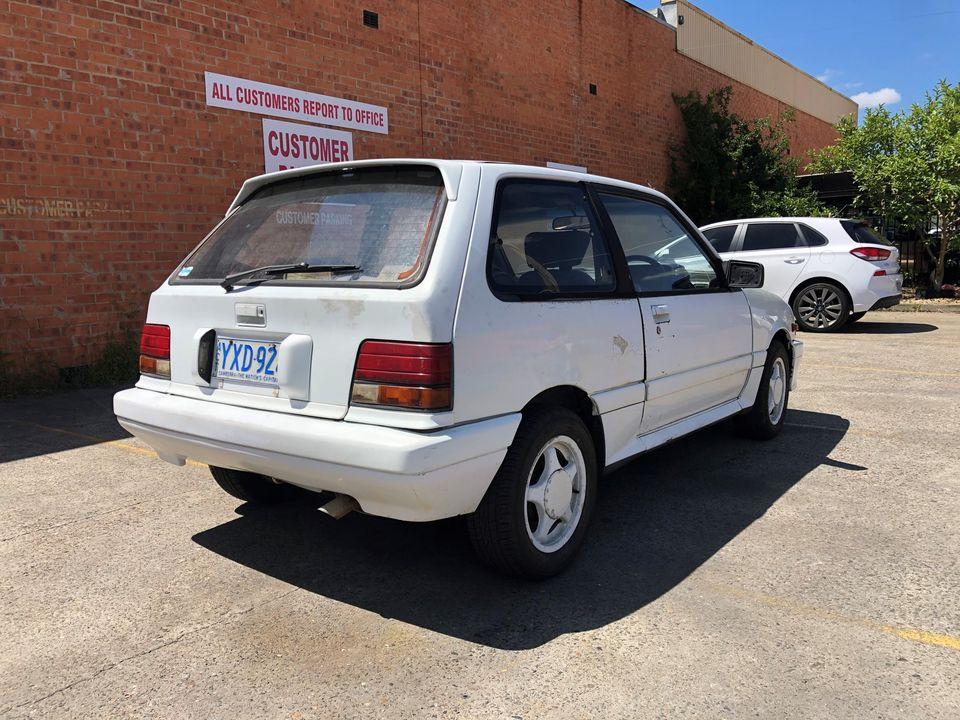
[289,145]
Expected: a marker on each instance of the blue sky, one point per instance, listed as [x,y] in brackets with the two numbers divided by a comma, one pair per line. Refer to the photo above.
[870,49]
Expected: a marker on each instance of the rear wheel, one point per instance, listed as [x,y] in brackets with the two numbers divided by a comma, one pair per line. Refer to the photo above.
[535,514]
[855,316]
[765,419]
[248,486]
[821,307]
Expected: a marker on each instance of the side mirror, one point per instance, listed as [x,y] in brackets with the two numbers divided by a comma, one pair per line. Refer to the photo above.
[742,274]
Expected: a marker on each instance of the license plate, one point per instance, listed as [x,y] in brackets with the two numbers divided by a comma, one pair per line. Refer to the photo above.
[248,361]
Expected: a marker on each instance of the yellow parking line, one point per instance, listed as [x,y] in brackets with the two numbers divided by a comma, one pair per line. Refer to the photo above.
[921,636]
[894,371]
[112,443]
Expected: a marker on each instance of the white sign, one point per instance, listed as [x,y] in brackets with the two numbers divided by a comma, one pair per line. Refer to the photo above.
[238,94]
[291,145]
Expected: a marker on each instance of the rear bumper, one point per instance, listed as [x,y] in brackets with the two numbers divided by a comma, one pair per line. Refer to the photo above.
[886,302]
[879,289]
[394,473]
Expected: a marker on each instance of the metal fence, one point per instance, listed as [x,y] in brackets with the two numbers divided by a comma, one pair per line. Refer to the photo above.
[916,262]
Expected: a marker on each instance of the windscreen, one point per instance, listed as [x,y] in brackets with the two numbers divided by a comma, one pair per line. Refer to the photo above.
[862,233]
[381,220]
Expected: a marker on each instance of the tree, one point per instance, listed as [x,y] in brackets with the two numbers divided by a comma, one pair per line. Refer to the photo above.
[728,167]
[906,165]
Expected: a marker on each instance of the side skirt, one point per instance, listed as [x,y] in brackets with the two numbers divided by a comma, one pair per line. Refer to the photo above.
[676,430]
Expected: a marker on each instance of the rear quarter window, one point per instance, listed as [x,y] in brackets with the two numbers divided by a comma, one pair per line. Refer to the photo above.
[546,241]
[813,238]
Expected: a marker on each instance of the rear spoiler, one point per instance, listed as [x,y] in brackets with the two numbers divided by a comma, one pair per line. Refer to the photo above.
[449,171]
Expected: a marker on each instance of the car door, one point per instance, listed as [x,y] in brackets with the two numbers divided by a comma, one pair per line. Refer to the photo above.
[698,334]
[782,250]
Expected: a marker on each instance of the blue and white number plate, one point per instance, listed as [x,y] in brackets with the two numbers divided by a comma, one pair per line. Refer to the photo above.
[248,361]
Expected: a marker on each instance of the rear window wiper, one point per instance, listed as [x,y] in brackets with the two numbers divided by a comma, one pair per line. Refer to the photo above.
[270,270]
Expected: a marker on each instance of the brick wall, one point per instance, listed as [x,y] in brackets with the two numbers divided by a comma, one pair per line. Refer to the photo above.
[112,166]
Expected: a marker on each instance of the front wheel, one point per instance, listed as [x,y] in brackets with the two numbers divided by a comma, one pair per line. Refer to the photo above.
[765,419]
[821,307]
[535,514]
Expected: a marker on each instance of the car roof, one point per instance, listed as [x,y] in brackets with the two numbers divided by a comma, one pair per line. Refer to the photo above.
[450,171]
[813,221]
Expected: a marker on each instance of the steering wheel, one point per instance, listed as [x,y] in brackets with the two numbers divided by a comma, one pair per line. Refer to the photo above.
[545,275]
[646,259]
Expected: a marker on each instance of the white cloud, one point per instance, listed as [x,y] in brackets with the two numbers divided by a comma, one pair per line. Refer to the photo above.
[828,75]
[883,96]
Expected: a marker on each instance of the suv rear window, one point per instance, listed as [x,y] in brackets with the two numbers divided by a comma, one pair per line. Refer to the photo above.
[380,219]
[860,232]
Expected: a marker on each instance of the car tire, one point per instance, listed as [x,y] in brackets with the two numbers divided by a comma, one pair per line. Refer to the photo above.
[535,514]
[821,307]
[765,419]
[250,487]
[855,316]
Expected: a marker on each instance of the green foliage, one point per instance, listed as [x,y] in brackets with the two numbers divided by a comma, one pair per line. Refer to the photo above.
[728,167]
[792,202]
[906,165]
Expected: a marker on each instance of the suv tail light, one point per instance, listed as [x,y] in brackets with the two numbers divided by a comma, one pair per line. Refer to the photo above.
[414,376]
[873,254]
[155,351]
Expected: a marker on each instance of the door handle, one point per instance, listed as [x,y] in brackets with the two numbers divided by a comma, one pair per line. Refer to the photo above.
[661,313]
[793,260]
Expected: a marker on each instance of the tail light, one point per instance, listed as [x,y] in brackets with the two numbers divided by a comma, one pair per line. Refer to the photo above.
[155,351]
[873,254]
[413,376]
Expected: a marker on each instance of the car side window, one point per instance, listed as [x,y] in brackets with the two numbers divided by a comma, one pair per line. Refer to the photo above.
[721,237]
[771,236]
[813,238]
[660,254]
[545,240]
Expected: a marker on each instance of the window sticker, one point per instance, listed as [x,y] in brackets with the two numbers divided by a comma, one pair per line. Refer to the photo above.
[185,271]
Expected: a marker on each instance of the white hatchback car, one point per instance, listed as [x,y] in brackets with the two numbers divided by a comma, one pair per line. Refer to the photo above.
[832,271]
[437,338]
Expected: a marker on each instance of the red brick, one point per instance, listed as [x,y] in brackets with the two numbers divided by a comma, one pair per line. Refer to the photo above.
[106,106]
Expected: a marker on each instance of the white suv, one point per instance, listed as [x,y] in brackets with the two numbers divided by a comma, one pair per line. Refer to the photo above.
[437,338]
[831,271]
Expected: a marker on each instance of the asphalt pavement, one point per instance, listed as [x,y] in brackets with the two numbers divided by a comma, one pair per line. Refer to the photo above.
[814,576]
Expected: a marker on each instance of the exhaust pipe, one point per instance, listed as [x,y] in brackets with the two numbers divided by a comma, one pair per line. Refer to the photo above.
[340,506]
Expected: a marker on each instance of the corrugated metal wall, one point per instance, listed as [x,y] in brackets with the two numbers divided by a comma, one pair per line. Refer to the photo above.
[707,40]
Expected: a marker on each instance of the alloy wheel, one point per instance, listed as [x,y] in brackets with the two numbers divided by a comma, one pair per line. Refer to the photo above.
[777,391]
[820,306]
[555,494]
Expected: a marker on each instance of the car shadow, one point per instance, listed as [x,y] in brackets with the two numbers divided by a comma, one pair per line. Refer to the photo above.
[31,426]
[865,327]
[657,520]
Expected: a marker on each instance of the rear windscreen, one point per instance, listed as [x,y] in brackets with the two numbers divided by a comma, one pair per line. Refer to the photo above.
[381,220]
[861,233]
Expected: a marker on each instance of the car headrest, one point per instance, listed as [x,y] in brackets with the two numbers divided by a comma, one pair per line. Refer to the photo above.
[563,248]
